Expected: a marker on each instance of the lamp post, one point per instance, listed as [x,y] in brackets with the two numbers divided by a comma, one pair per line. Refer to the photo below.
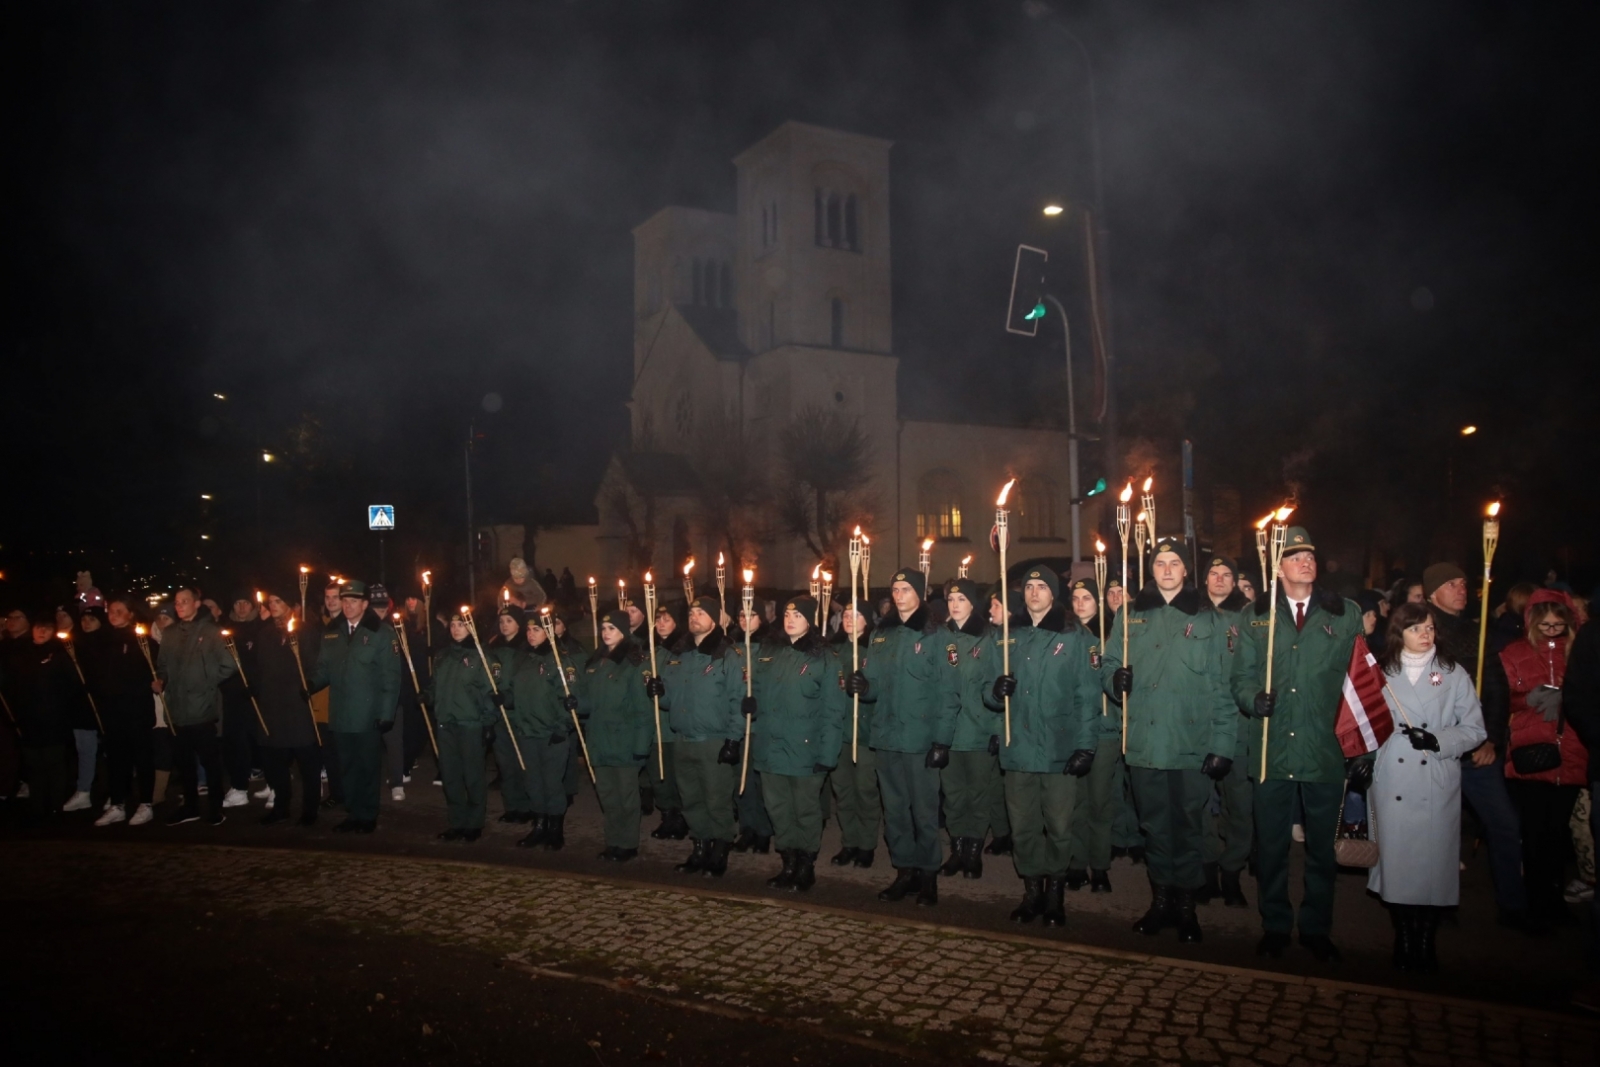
[1072,434]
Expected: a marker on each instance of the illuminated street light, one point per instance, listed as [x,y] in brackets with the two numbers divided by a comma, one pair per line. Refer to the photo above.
[1468,431]
[1053,210]
[267,457]
[205,496]
[219,396]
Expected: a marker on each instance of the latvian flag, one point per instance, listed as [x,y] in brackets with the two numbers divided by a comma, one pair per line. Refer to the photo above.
[1365,721]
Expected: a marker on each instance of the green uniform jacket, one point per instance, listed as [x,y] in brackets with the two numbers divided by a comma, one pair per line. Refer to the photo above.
[910,684]
[839,645]
[1181,708]
[1108,725]
[619,722]
[705,683]
[194,661]
[533,687]
[800,718]
[1231,616]
[459,693]
[1308,672]
[361,671]
[973,654]
[1056,709]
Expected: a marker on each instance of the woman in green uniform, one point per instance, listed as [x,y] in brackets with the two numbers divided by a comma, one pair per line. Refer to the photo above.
[539,717]
[618,724]
[464,715]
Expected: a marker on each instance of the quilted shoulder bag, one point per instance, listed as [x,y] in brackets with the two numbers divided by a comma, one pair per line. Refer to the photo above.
[1355,851]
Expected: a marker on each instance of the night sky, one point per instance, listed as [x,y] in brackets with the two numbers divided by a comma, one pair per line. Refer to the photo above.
[1338,233]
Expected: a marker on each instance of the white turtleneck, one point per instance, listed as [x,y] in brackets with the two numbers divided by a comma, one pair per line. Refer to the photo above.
[1415,663]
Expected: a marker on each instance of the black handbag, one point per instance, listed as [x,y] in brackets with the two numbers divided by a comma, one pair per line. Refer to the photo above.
[1544,756]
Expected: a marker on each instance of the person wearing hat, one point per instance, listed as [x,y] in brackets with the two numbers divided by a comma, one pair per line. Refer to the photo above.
[1054,690]
[1231,832]
[855,777]
[360,667]
[290,737]
[238,714]
[618,725]
[663,770]
[464,715]
[398,738]
[796,722]
[411,720]
[913,724]
[1094,809]
[974,799]
[193,664]
[755,824]
[702,691]
[1316,634]
[503,649]
[538,707]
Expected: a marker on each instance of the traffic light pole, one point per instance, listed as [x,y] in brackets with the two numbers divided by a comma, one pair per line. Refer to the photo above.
[1073,495]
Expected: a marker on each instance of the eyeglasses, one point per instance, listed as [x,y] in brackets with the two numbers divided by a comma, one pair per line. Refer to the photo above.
[1552,624]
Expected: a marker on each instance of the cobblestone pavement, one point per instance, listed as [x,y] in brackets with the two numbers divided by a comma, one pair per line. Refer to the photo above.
[949,994]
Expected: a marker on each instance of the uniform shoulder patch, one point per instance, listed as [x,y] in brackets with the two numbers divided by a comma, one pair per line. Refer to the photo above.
[952,655]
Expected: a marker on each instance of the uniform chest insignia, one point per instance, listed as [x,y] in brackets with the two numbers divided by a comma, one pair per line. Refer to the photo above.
[363,639]
[1188,631]
[745,675]
[1327,630]
[841,681]
[1259,622]
[1435,678]
[954,656]
[879,640]
[977,650]
[465,662]
[572,673]
[541,670]
[710,667]
[916,649]
[1059,646]
[803,668]
[1135,622]
[1094,658]
[766,659]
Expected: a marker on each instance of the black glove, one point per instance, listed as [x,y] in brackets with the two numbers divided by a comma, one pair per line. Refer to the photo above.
[817,768]
[855,683]
[1265,704]
[747,708]
[1359,774]
[569,702]
[1005,686]
[729,753]
[938,757]
[1421,740]
[1079,763]
[498,699]
[1122,680]
[655,687]
[994,744]
[305,696]
[1216,767]
[556,739]
[383,725]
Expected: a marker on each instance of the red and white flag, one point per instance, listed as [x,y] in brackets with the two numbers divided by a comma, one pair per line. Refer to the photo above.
[1365,721]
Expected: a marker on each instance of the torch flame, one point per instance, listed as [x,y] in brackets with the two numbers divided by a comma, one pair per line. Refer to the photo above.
[1126,494]
[63,635]
[466,609]
[928,544]
[857,533]
[827,576]
[687,567]
[307,570]
[291,625]
[966,560]
[545,611]
[261,598]
[1139,517]
[227,633]
[505,595]
[1265,520]
[866,540]
[648,578]
[1283,513]
[816,571]
[749,576]
[1000,503]
[396,615]
[1494,509]
[140,630]
[1148,482]
[720,561]
[1099,546]
[591,581]
[427,577]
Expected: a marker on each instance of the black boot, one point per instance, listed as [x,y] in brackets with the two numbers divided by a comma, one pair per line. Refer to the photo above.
[1099,881]
[746,838]
[1211,889]
[1405,948]
[1032,901]
[554,833]
[1160,913]
[541,825]
[664,830]
[958,857]
[1000,846]
[761,844]
[696,861]
[1076,878]
[1425,923]
[905,880]
[1136,853]
[973,867]
[1055,910]
[864,857]
[843,857]
[716,864]
[1188,924]
[805,870]
[928,888]
[647,800]
[784,879]
[1232,892]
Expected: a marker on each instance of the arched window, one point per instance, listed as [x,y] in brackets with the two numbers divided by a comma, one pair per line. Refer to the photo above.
[851,236]
[699,292]
[727,284]
[836,311]
[766,227]
[835,222]
[1034,508]
[821,224]
[939,505]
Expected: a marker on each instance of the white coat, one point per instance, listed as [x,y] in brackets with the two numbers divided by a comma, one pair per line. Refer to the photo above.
[1416,795]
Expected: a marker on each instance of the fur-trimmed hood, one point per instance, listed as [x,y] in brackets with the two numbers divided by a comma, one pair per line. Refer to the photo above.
[809,643]
[715,644]
[920,622]
[975,626]
[1150,598]
[625,652]
[1055,620]
[1234,601]
[1328,601]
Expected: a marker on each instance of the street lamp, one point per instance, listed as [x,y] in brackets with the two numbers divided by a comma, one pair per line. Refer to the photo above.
[1468,431]
[1052,210]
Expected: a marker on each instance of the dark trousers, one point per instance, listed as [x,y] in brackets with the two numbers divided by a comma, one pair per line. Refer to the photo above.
[130,755]
[910,791]
[1275,804]
[618,789]
[44,768]
[1099,796]
[974,800]
[703,787]
[855,794]
[361,762]
[1485,791]
[752,805]
[238,757]
[1172,807]
[331,764]
[199,742]
[545,780]
[276,767]
[461,769]
[1040,806]
[795,802]
[513,778]
[1545,810]
[1230,834]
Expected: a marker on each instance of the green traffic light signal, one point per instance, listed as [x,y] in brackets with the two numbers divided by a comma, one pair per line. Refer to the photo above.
[1036,313]
[1099,487]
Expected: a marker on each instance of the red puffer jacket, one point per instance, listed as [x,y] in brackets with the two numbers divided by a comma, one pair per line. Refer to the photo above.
[1529,666]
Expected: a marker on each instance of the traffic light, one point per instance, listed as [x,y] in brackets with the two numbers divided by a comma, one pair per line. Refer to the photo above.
[1099,487]
[1027,291]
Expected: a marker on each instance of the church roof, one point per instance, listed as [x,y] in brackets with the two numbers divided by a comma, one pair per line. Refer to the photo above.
[717,328]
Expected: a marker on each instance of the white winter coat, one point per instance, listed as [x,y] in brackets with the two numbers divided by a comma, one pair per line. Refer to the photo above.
[1415,799]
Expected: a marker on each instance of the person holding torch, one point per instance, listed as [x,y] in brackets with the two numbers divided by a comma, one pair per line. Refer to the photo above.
[194,662]
[974,800]
[619,724]
[275,680]
[536,706]
[855,776]
[465,716]
[1231,833]
[1100,791]
[122,686]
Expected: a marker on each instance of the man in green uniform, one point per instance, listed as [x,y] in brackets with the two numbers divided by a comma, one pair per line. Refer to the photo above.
[855,777]
[670,639]
[194,662]
[1100,791]
[1054,694]
[360,667]
[913,723]
[618,722]
[1230,834]
[1316,633]
[702,693]
[465,716]
[503,648]
[1181,727]
[974,800]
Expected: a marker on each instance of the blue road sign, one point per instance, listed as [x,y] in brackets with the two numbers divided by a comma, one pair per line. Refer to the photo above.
[380,516]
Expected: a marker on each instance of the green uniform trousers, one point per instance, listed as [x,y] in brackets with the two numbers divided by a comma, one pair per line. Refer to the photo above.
[361,764]
[1099,798]
[1040,806]
[795,804]
[461,769]
[573,774]
[618,788]
[665,788]
[1125,826]
[1275,815]
[547,773]
[910,791]
[974,799]
[513,779]
[704,787]
[855,794]
[752,807]
[1172,810]
[1230,833]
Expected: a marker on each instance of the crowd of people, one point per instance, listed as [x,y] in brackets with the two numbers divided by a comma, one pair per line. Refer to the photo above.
[1184,723]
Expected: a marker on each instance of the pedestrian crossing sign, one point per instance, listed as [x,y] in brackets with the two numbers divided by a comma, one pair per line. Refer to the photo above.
[380,516]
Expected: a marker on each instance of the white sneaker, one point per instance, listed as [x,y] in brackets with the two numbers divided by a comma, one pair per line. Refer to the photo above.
[79,801]
[264,793]
[1578,892]
[111,817]
[1298,832]
[22,791]
[107,805]
[406,779]
[203,789]
[397,793]
[235,798]
[142,816]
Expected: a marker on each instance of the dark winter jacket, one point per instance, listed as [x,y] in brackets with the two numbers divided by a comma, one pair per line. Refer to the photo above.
[42,688]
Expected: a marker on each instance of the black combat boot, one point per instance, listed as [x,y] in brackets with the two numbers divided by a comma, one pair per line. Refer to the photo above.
[1099,881]
[1188,924]
[1160,913]
[805,871]
[1425,924]
[974,865]
[554,833]
[696,861]
[1405,948]
[664,831]
[469,836]
[1136,853]
[864,857]
[1076,878]
[535,836]
[999,846]
[451,834]
[928,888]
[905,880]
[1032,901]
[843,857]
[784,879]
[1211,889]
[716,864]
[958,857]
[1232,892]
[1055,909]
[647,800]
[745,839]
